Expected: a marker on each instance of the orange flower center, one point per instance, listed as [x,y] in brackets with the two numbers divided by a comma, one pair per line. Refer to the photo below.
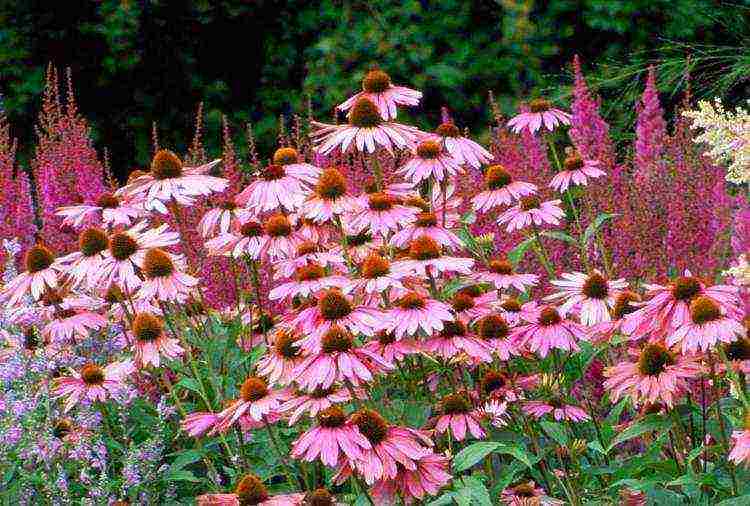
[454,404]
[364,114]
[108,201]
[428,150]
[331,184]
[462,302]
[337,340]
[501,267]
[448,130]
[376,81]
[122,246]
[624,304]
[530,202]
[147,327]
[492,327]
[411,300]
[38,258]
[424,248]
[157,264]
[497,177]
[654,360]
[375,266]
[371,425]
[334,305]
[92,374]
[253,389]
[703,310]
[595,287]
[92,241]
[251,491]
[574,162]
[273,172]
[540,105]
[549,316]
[166,165]
[285,156]
[251,229]
[685,288]
[331,417]
[278,226]
[381,202]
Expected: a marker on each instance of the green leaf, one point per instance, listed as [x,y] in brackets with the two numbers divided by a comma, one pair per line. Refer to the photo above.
[189,384]
[556,431]
[185,459]
[476,490]
[518,453]
[472,454]
[648,424]
[735,501]
[562,236]
[595,225]
[516,254]
[181,475]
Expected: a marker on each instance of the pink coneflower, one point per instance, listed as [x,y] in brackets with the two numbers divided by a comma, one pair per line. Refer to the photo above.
[515,313]
[541,113]
[383,214]
[164,279]
[559,410]
[667,307]
[127,251]
[256,401]
[590,295]
[455,339]
[430,160]
[626,302]
[279,239]
[657,376]
[501,189]
[333,440]
[549,330]
[320,399]
[93,382]
[150,341]
[531,210]
[330,198]
[429,225]
[377,87]
[360,246]
[108,210]
[426,259]
[198,423]
[246,241]
[463,149]
[366,130]
[402,191]
[226,216]
[413,312]
[170,181]
[496,412]
[338,361]
[308,230]
[250,491]
[470,303]
[502,277]
[377,276]
[427,479]
[40,275]
[493,330]
[334,309]
[309,252]
[527,494]
[497,385]
[458,414]
[708,325]
[391,349]
[309,280]
[390,445]
[84,266]
[740,453]
[69,323]
[279,187]
[576,171]
[281,358]
[738,354]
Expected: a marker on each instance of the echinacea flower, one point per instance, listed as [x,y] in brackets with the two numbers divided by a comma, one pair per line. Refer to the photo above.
[391,349]
[164,279]
[382,214]
[170,181]
[527,494]
[338,360]
[377,276]
[150,341]
[412,312]
[740,453]
[426,224]
[320,399]
[497,412]
[514,312]
[70,322]
[708,326]
[458,413]
[308,280]
[530,210]
[463,149]
[541,113]
[626,302]
[279,188]
[84,266]
[426,259]
[256,401]
[93,382]
[335,439]
[329,199]
[738,354]
[502,277]
[502,190]
[250,491]
[127,251]
[494,331]
[108,210]
[246,241]
[282,357]
[227,215]
[549,330]
[430,160]
[590,295]
[557,408]
[334,309]
[309,252]
[40,275]
[359,246]
[497,385]
[455,339]
[279,239]
[658,375]
[427,479]
[576,171]
[366,130]
[377,87]
[198,423]
[471,303]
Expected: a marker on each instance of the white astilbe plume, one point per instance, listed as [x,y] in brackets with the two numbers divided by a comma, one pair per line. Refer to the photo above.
[727,134]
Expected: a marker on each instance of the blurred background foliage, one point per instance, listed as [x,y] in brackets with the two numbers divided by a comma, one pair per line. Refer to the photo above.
[135,62]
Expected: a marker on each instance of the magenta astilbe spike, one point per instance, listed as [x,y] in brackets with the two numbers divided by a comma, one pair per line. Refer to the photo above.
[231,168]
[650,129]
